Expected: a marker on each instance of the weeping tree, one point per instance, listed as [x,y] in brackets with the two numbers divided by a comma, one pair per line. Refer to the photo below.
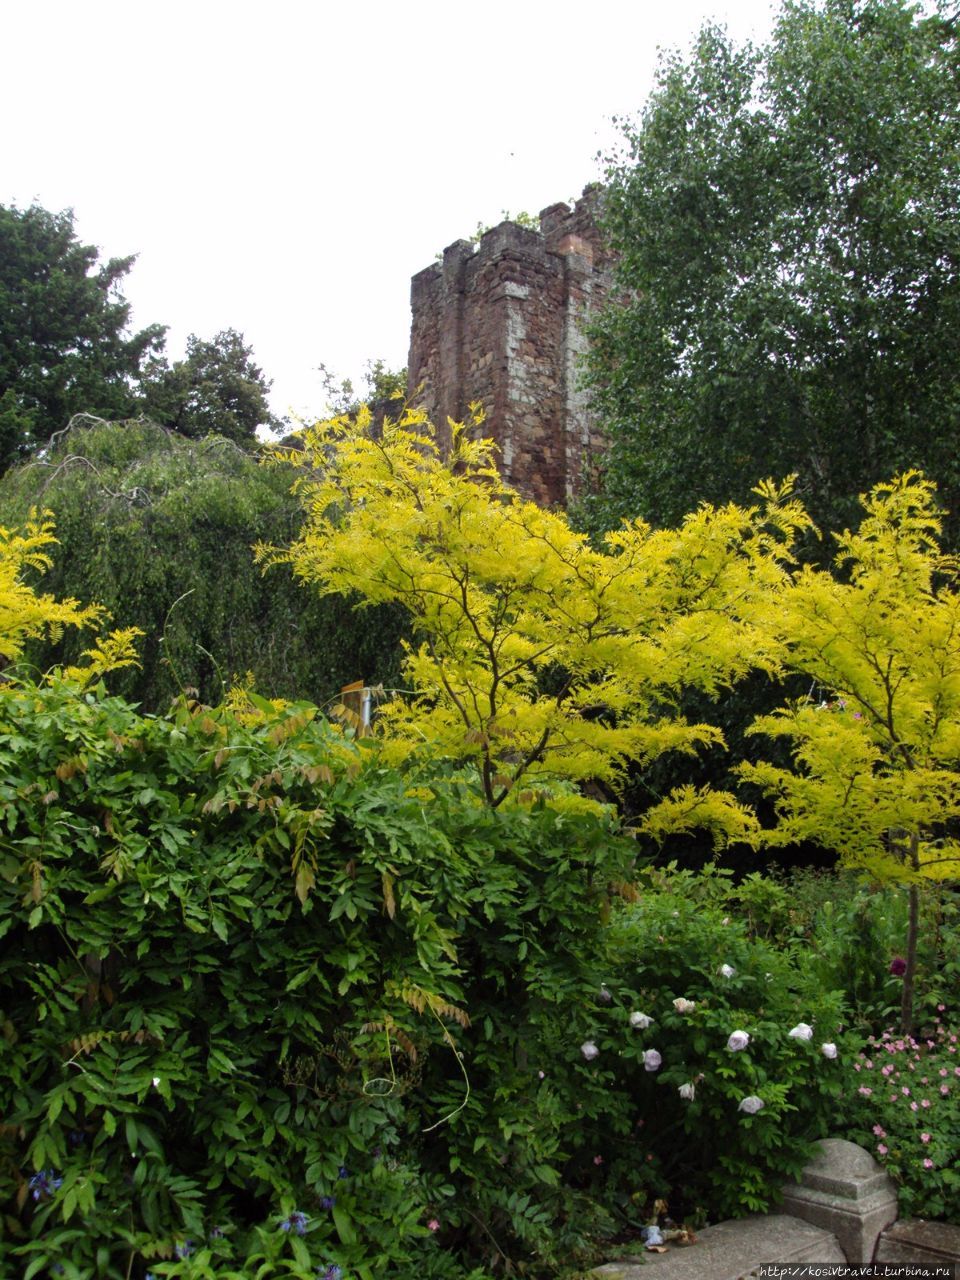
[158,529]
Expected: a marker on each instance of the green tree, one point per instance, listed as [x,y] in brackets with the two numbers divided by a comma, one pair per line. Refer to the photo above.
[786,221]
[159,529]
[217,389]
[64,345]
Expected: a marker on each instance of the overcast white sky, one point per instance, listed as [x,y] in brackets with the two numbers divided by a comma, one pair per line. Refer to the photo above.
[285,168]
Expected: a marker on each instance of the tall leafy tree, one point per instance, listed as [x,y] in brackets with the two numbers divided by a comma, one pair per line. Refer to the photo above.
[786,220]
[217,389]
[64,341]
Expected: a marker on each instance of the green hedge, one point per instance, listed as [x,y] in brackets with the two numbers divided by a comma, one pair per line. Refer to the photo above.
[249,974]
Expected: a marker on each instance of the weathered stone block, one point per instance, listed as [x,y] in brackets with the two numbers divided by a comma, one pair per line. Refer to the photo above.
[845,1191]
[916,1242]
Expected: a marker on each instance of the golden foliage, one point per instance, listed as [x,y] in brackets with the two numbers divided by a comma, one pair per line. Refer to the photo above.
[537,656]
[877,743]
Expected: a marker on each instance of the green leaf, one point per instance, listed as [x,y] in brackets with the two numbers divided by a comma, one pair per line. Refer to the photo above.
[344,1224]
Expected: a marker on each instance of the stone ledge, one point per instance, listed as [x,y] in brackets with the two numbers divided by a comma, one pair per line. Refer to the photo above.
[922,1243]
[731,1251]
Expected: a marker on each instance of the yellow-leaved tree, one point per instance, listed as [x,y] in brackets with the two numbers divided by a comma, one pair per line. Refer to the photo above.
[876,745]
[537,657]
[25,615]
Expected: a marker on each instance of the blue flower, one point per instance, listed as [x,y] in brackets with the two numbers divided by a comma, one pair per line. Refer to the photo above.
[296,1222]
[184,1250]
[333,1272]
[327,1202]
[343,1172]
[216,1233]
[44,1183]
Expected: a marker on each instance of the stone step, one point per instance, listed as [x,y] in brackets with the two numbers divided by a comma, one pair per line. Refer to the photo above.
[731,1251]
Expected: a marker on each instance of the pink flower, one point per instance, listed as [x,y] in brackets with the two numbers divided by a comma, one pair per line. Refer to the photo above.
[433,1224]
[925,1137]
[865,1091]
[941,1008]
[879,1130]
[927,1163]
[945,1090]
[913,1106]
[924,1102]
[882,1148]
[943,1071]
[905,1091]
[598,1159]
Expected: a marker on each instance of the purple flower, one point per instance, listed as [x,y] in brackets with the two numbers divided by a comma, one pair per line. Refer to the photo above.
[44,1183]
[898,966]
[216,1233]
[343,1172]
[333,1272]
[297,1222]
[327,1202]
[184,1250]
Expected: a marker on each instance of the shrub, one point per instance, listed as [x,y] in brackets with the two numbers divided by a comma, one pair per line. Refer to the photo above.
[254,982]
[902,1101]
[725,1121]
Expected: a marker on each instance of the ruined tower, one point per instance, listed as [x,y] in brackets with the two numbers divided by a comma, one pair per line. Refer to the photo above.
[501,323]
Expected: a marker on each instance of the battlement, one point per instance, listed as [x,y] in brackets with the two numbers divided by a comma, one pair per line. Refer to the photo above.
[501,322]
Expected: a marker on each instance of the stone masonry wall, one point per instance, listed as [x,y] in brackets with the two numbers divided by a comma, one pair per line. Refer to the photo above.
[502,323]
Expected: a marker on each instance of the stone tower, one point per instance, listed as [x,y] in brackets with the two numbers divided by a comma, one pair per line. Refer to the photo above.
[502,323]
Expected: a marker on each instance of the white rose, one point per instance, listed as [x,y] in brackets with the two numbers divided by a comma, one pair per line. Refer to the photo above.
[802,1032]
[738,1040]
[589,1050]
[829,1050]
[751,1105]
[687,1091]
[682,1005]
[651,1060]
[641,1020]
[727,970]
